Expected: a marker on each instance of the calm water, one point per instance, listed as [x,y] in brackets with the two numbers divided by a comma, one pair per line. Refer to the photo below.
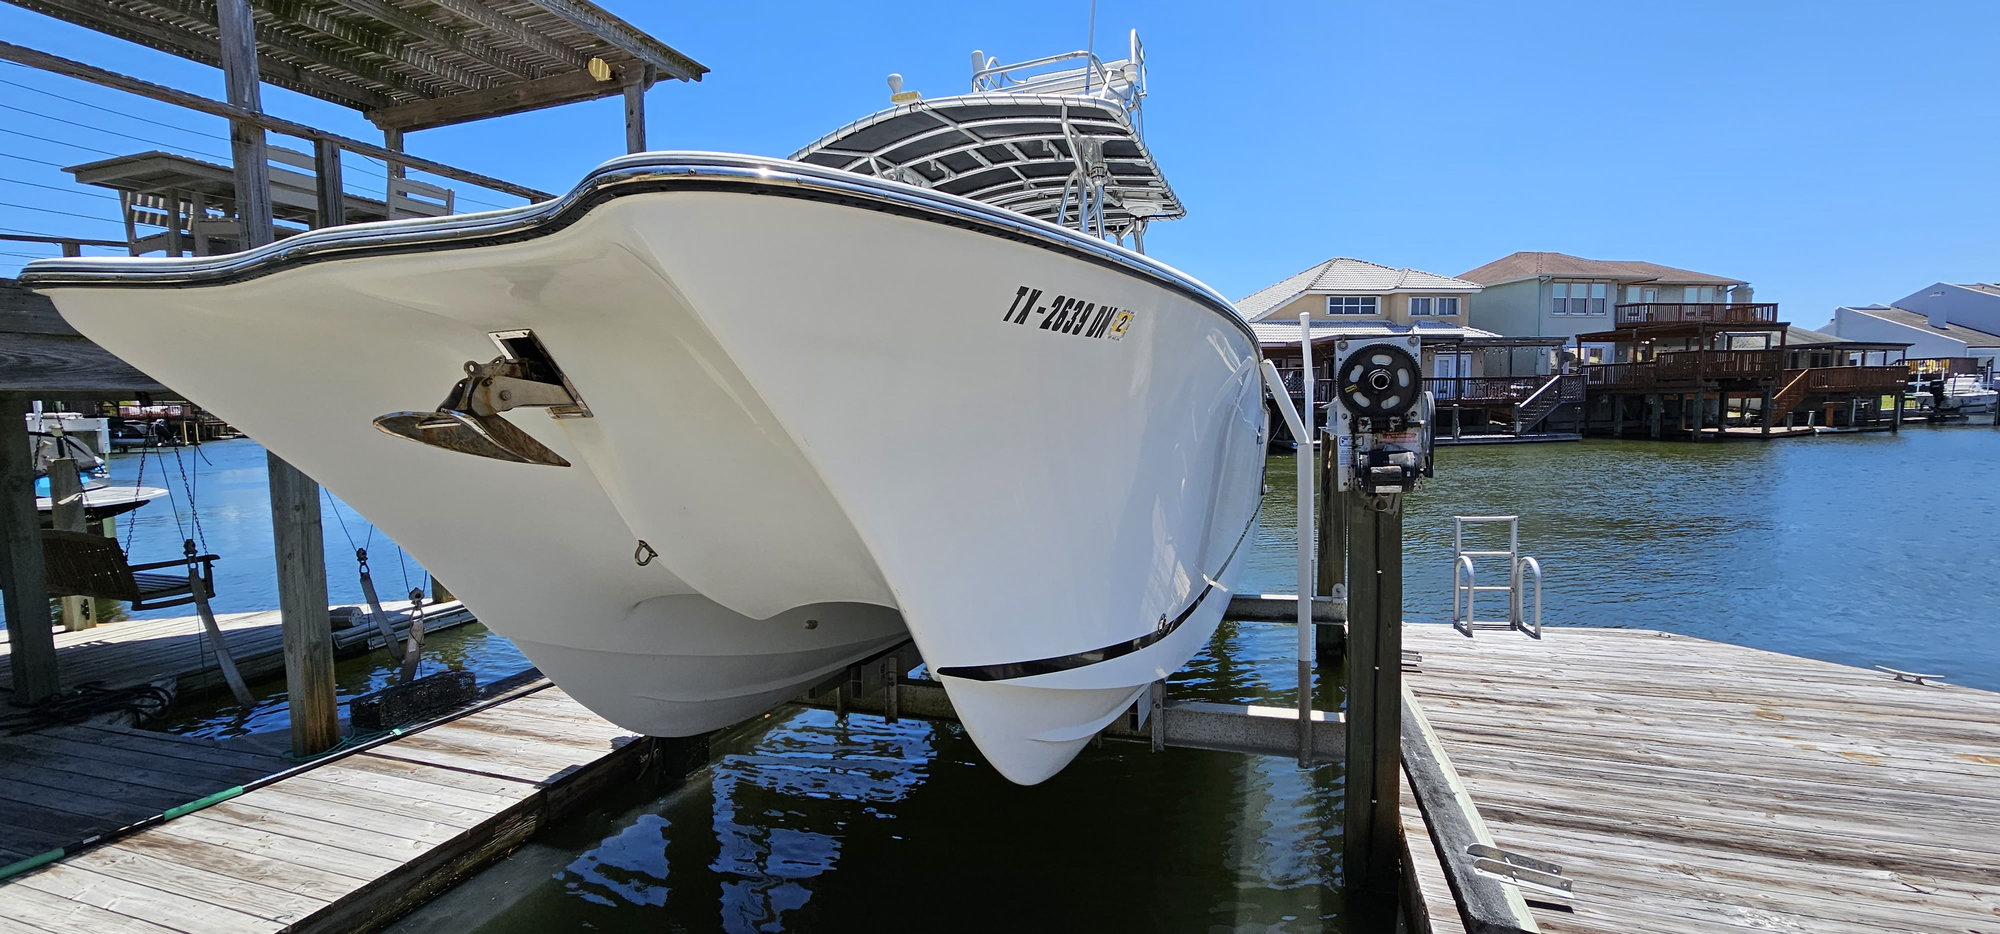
[1857,549]
[230,511]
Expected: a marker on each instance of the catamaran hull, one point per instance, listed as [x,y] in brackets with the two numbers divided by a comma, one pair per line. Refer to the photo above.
[842,413]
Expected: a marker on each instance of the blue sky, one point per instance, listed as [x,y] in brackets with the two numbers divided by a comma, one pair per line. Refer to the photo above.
[1830,152]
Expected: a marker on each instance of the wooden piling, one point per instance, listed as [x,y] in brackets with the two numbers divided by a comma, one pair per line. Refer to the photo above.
[1370,843]
[33,647]
[308,629]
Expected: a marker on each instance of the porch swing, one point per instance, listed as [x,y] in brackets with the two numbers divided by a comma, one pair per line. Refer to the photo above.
[84,564]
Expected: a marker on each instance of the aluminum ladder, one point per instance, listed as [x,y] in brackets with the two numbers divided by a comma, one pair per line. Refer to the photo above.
[1521,570]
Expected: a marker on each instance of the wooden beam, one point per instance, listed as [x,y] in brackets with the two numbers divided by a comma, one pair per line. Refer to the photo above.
[177,40]
[99,76]
[480,14]
[270,38]
[332,195]
[635,107]
[306,625]
[622,35]
[409,23]
[1370,849]
[524,96]
[252,168]
[31,644]
[381,39]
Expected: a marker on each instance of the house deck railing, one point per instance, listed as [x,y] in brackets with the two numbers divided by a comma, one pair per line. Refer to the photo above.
[1687,368]
[1642,313]
[1842,378]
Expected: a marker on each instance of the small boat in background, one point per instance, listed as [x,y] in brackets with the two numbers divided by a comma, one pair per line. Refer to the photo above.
[84,440]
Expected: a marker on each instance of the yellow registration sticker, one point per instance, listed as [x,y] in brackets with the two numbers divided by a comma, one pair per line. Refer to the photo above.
[1118,324]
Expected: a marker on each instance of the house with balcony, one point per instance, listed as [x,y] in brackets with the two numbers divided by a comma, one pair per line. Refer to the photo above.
[1465,367]
[1952,328]
[1556,295]
[1709,371]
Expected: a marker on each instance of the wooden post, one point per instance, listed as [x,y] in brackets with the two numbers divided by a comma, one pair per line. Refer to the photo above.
[332,189]
[1700,413]
[246,140]
[32,645]
[295,519]
[307,628]
[1769,398]
[1371,842]
[638,78]
[1655,412]
[1328,643]
[1896,425]
[66,514]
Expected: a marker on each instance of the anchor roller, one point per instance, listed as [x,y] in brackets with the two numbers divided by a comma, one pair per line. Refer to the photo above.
[468,420]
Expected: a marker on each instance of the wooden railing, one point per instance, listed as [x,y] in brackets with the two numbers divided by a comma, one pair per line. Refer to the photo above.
[1501,389]
[1633,315]
[1688,367]
[1842,378]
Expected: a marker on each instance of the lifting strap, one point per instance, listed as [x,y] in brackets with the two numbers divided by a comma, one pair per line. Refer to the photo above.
[223,660]
[375,604]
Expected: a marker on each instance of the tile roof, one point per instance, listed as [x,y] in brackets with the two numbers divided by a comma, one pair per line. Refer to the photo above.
[1973,337]
[1526,265]
[1286,333]
[1348,276]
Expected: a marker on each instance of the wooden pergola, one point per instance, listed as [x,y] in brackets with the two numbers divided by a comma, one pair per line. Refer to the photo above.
[407,65]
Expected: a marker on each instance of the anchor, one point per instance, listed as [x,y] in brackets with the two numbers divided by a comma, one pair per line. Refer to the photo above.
[468,420]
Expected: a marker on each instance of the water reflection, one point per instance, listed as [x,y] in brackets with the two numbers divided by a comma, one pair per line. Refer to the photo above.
[470,647]
[808,821]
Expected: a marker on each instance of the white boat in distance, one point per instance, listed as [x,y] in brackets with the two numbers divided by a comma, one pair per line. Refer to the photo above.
[791,415]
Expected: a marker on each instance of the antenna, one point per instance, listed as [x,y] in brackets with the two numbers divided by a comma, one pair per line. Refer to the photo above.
[1090,45]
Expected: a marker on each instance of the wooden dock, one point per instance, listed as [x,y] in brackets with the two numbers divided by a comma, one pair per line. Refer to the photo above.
[351,841]
[1692,786]
[144,651]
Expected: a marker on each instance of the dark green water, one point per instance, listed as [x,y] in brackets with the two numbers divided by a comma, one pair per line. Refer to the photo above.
[1857,549]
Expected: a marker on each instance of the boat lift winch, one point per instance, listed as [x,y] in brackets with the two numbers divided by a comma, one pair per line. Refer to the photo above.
[468,420]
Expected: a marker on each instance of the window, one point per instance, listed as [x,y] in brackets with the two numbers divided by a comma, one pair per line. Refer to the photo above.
[1441,306]
[1699,295]
[1351,305]
[1420,305]
[1580,298]
[1447,306]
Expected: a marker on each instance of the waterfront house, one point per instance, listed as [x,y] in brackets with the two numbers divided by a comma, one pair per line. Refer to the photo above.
[1467,368]
[1540,294]
[1949,327]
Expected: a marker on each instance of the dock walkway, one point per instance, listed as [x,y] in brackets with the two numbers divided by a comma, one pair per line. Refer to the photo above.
[143,651]
[1689,786]
[346,843]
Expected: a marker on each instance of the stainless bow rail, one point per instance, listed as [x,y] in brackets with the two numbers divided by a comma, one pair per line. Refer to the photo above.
[1521,570]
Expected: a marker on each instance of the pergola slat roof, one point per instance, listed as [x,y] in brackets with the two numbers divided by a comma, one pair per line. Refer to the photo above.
[408,64]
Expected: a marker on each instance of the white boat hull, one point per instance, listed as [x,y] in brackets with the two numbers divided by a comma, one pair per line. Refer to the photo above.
[828,417]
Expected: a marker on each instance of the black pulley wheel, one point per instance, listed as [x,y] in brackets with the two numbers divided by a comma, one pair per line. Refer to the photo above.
[1380,381]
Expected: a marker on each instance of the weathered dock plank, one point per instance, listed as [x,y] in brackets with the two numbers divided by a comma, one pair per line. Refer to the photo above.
[1694,786]
[143,651]
[343,845]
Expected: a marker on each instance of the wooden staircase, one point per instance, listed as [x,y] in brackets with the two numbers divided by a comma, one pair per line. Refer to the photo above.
[1787,397]
[1529,413]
